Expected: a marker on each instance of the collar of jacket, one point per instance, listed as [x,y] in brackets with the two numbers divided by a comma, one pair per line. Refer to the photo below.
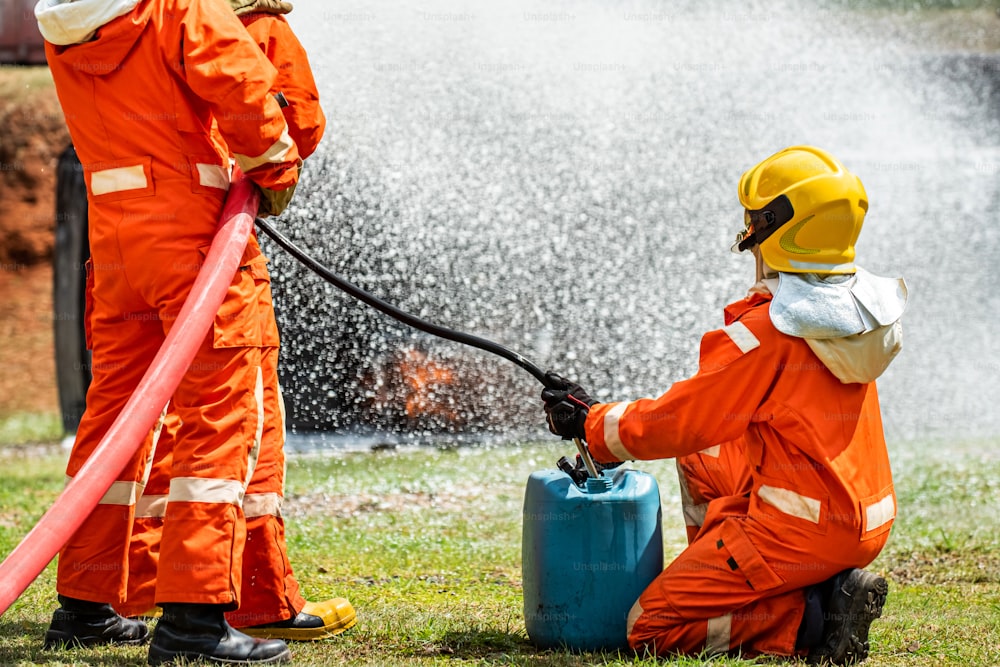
[735,311]
[66,22]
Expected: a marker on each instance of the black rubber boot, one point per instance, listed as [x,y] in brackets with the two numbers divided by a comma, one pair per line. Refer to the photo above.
[85,623]
[189,632]
[856,599]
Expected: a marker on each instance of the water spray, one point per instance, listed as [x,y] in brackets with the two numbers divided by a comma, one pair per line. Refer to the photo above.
[400,315]
[418,323]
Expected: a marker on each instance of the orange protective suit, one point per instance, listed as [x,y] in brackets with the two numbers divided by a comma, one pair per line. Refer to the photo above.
[785,482]
[141,97]
[270,591]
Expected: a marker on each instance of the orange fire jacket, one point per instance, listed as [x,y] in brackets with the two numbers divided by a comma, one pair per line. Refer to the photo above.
[814,445]
[295,81]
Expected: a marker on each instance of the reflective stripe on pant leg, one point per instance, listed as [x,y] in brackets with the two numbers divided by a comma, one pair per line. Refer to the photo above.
[204,527]
[694,513]
[270,592]
[718,634]
[254,455]
[147,525]
[93,564]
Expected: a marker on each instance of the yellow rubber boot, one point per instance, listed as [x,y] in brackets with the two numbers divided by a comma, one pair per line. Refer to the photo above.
[316,620]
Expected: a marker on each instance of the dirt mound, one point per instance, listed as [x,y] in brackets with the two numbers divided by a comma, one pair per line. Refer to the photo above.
[34,135]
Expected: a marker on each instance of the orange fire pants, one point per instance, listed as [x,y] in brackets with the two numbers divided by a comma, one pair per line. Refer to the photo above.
[142,271]
[740,584]
[270,591]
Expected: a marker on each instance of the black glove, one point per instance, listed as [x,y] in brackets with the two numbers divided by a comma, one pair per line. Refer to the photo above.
[566,407]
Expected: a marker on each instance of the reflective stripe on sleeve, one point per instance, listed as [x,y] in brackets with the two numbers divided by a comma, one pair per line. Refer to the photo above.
[717,637]
[611,438]
[118,179]
[880,513]
[261,504]
[276,153]
[742,337]
[201,490]
[791,502]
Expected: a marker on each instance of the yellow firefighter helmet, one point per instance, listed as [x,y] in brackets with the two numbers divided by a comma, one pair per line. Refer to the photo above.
[804,209]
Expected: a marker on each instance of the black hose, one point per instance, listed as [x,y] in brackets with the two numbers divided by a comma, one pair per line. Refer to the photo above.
[394,312]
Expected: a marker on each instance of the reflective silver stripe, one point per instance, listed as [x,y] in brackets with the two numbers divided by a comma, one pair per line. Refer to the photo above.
[813,266]
[790,502]
[154,507]
[694,515]
[611,437]
[633,615]
[742,336]
[281,411]
[712,451]
[254,455]
[152,450]
[122,493]
[261,504]
[212,176]
[276,153]
[118,179]
[880,513]
[202,490]
[717,638]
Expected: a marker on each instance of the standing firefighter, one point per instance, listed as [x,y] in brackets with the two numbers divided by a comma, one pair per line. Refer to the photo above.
[785,479]
[144,84]
[271,603]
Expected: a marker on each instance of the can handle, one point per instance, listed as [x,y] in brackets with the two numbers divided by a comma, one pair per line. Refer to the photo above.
[587,460]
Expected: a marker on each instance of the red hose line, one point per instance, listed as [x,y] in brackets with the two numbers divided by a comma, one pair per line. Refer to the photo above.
[139,415]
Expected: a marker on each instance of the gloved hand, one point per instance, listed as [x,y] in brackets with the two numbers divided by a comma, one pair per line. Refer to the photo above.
[566,407]
[273,202]
[266,6]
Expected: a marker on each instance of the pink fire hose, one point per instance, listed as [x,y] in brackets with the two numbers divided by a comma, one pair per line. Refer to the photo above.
[86,489]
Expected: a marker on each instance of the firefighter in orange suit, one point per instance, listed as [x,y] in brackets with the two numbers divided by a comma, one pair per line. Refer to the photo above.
[271,604]
[785,479]
[148,87]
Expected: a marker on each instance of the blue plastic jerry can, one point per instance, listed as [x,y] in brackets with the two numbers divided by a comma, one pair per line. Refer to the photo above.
[587,554]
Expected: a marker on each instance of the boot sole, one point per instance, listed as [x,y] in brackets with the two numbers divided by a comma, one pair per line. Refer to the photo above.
[304,634]
[867,601]
[160,657]
[59,641]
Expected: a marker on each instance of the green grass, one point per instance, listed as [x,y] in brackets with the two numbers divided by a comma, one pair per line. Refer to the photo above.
[426,544]
[30,427]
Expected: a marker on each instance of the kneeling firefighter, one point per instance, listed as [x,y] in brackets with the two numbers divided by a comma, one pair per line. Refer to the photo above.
[784,474]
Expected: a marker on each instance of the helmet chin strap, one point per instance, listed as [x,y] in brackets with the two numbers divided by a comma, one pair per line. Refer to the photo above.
[762,271]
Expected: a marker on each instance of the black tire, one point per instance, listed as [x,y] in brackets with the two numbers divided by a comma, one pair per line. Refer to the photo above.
[69,282]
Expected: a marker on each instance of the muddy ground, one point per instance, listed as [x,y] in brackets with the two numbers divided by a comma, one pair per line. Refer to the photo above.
[33,135]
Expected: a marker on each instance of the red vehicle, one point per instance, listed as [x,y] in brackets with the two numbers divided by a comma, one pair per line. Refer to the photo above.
[20,41]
